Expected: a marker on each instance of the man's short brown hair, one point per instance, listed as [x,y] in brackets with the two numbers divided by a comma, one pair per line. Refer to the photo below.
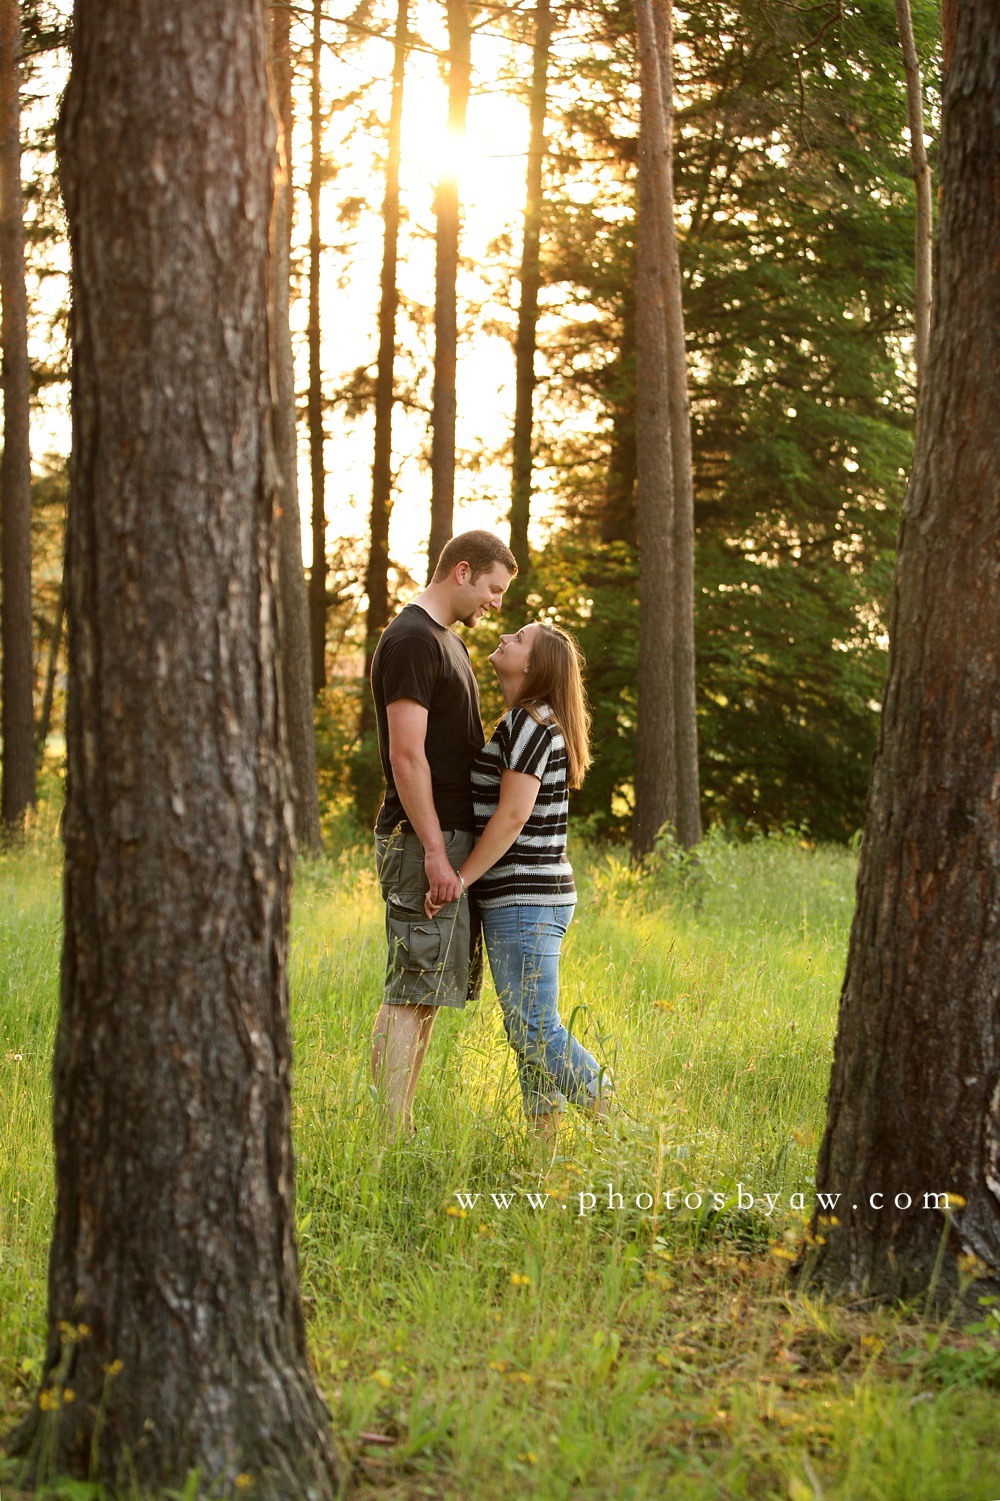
[479,549]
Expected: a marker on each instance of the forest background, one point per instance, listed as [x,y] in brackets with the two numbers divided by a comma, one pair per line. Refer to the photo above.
[794,197]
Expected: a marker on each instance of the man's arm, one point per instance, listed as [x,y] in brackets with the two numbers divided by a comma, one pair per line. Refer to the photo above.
[412,776]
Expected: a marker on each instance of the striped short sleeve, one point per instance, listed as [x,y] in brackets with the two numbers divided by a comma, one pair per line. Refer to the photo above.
[529,745]
[534,870]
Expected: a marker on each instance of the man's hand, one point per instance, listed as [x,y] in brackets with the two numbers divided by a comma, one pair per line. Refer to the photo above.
[443,883]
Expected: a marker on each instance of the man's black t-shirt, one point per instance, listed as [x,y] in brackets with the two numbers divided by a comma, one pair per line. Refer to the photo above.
[419,659]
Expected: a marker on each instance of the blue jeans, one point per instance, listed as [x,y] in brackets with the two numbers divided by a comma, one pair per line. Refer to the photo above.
[523,947]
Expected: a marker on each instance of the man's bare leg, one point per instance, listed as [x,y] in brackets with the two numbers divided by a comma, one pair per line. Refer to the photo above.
[544,1129]
[423,1038]
[399,1041]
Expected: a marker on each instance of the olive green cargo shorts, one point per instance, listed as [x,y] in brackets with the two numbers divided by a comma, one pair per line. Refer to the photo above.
[431,961]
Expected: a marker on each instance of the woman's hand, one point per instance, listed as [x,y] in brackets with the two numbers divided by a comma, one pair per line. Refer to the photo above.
[432,908]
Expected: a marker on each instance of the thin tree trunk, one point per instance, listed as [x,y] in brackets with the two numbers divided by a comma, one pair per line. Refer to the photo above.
[55,640]
[914,1102]
[655,741]
[18,792]
[296,677]
[173,1259]
[527,313]
[445,298]
[617,515]
[317,576]
[685,721]
[924,231]
[377,575]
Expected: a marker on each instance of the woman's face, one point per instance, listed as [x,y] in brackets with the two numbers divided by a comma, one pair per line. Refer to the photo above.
[513,656]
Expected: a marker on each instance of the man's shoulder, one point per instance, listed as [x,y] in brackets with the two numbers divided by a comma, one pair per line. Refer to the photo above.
[410,623]
[410,633]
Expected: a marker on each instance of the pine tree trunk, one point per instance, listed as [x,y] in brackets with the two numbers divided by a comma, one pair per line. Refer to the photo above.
[924,229]
[617,517]
[444,407]
[527,312]
[949,21]
[317,575]
[377,575]
[173,1248]
[655,741]
[914,1103]
[685,721]
[18,791]
[294,613]
[51,668]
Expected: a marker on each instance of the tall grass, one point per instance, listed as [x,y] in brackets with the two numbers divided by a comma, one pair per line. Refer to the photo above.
[590,1346]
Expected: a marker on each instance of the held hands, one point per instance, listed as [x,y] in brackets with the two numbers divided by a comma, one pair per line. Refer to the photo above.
[443,884]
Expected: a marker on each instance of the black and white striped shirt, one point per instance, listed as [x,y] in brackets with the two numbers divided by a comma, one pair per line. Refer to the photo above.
[534,871]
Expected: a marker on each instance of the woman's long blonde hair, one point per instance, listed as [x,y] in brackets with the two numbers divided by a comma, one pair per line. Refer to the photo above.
[555,677]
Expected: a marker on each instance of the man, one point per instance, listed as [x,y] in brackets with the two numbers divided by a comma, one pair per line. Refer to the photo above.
[429,730]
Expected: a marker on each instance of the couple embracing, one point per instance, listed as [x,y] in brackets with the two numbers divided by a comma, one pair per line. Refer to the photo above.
[471,837]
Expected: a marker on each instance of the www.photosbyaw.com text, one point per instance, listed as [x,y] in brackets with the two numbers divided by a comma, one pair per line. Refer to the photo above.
[592,1200]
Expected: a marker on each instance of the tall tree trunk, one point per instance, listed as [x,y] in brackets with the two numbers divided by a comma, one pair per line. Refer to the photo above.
[527,312]
[55,641]
[655,741]
[924,230]
[18,792]
[317,576]
[173,1257]
[296,677]
[445,300]
[685,721]
[377,575]
[949,21]
[617,515]
[914,1103]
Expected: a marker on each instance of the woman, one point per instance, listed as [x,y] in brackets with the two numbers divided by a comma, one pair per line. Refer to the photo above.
[524,883]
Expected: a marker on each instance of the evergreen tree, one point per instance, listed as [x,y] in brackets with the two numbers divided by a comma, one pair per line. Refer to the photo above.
[913,1111]
[446,209]
[173,1241]
[794,196]
[18,778]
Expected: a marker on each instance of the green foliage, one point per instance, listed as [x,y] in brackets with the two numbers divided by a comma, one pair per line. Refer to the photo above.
[539,1349]
[795,210]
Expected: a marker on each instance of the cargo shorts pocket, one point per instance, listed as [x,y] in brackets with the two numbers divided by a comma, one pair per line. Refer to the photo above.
[416,942]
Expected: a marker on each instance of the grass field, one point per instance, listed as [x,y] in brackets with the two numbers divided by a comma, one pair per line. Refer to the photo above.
[581,1344]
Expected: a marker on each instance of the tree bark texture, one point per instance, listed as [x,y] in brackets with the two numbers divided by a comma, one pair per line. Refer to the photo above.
[377,575]
[51,668]
[914,1102]
[923,234]
[444,406]
[296,677]
[685,719]
[949,21]
[527,312]
[655,741]
[173,1248]
[617,517]
[18,790]
[317,575]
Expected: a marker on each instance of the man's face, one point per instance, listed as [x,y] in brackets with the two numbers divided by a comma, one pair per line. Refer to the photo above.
[482,593]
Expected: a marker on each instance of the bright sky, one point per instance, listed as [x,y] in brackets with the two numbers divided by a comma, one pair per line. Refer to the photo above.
[492,165]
